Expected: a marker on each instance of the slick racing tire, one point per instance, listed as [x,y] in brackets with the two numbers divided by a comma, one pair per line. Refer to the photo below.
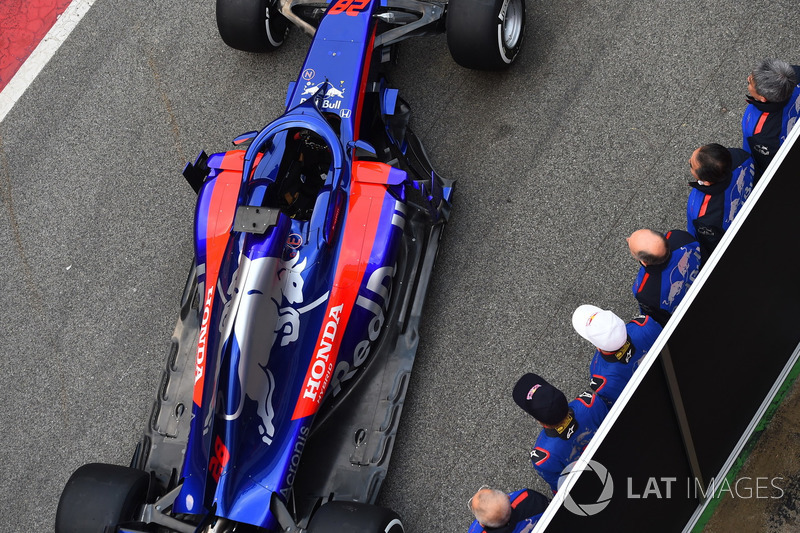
[336,517]
[251,25]
[485,34]
[99,496]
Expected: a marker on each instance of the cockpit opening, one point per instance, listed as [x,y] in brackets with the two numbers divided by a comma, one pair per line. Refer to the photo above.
[303,171]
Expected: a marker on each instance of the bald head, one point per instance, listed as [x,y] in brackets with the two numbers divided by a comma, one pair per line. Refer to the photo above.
[648,247]
[491,508]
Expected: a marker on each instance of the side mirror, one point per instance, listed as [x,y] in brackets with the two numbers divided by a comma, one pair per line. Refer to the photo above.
[363,148]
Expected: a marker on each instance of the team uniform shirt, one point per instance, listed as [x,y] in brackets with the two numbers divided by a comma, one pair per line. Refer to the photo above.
[555,448]
[765,126]
[711,208]
[611,372]
[660,288]
[527,507]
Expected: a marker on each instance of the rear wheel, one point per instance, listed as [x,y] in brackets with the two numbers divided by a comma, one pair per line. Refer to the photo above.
[335,517]
[485,34]
[251,25]
[98,496]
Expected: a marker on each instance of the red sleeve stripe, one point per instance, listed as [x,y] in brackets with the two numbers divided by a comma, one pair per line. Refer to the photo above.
[760,123]
[518,499]
[644,280]
[704,207]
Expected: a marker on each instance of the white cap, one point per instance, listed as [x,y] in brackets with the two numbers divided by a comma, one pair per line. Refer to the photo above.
[602,328]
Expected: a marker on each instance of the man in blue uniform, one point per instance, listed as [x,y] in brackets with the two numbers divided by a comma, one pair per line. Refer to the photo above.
[669,265]
[773,106]
[498,512]
[619,347]
[567,427]
[724,180]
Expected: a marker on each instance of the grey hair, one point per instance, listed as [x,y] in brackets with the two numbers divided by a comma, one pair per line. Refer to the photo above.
[774,80]
[491,507]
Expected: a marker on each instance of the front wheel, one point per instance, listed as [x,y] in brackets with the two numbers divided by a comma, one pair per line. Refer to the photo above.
[251,25]
[485,34]
[336,517]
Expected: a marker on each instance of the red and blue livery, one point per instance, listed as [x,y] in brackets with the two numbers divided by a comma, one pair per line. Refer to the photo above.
[315,238]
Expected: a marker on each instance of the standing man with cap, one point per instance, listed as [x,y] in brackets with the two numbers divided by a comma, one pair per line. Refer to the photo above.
[568,427]
[669,265]
[498,512]
[619,347]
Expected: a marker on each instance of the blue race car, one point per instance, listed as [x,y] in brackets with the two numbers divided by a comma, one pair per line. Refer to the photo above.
[315,239]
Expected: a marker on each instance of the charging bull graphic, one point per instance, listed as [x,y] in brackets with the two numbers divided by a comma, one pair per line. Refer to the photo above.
[682,276]
[265,291]
[330,92]
[743,187]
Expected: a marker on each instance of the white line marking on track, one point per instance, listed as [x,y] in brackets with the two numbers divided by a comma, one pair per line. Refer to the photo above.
[46,49]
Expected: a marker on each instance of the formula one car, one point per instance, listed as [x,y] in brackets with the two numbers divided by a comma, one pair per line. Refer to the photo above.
[315,239]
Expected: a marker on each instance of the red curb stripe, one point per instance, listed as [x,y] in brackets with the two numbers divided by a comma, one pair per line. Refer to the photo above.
[23,24]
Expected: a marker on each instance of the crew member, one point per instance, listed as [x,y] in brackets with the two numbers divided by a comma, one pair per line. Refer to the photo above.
[669,265]
[723,181]
[498,512]
[773,105]
[619,347]
[567,427]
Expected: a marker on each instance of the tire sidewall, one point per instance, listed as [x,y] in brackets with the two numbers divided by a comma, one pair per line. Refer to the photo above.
[354,517]
[509,54]
[475,32]
[276,26]
[251,25]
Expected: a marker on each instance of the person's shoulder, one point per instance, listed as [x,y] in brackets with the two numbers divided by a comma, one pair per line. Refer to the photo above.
[642,322]
[739,157]
[528,500]
[643,331]
[679,238]
[592,406]
[696,191]
[540,454]
[527,525]
[587,401]
[682,244]
[527,505]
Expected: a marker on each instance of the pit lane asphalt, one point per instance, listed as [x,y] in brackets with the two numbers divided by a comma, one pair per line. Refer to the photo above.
[585,139]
